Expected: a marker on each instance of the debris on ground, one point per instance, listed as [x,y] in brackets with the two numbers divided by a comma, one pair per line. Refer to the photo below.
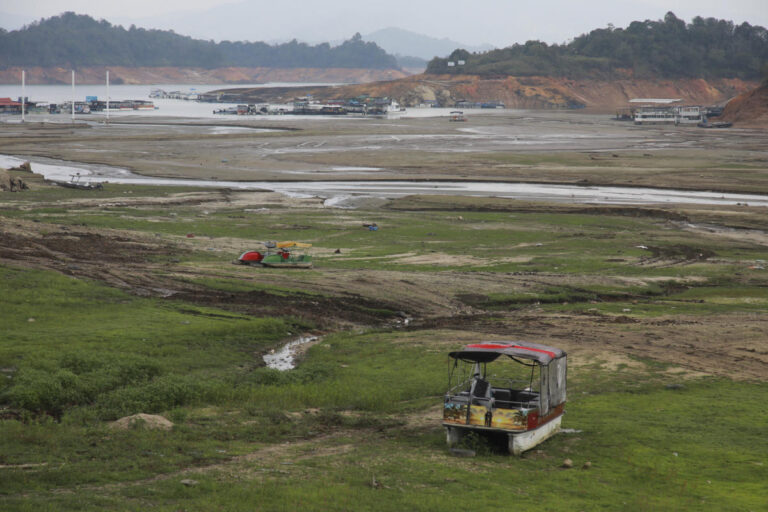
[11,183]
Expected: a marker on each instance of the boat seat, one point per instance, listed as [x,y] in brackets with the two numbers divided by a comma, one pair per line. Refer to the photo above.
[524,396]
[503,394]
[505,404]
[480,388]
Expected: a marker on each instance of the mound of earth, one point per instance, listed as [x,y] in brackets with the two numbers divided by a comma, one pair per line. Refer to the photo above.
[149,421]
[749,108]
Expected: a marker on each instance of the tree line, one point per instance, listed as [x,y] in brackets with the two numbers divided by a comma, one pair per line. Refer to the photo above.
[668,48]
[72,40]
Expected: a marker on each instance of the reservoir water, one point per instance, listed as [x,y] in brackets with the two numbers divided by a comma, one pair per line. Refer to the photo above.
[165,107]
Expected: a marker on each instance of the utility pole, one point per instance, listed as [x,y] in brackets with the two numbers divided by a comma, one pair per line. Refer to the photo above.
[23,95]
[73,95]
[107,96]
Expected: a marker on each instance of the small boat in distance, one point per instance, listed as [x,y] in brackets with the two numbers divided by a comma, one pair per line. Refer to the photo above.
[75,182]
[279,255]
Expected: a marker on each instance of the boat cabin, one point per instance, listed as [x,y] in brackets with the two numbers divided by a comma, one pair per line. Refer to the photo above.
[511,387]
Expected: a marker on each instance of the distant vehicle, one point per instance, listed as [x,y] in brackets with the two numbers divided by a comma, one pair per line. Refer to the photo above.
[279,254]
[523,397]
[457,115]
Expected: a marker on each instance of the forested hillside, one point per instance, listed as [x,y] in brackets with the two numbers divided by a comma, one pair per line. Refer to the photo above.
[72,40]
[668,48]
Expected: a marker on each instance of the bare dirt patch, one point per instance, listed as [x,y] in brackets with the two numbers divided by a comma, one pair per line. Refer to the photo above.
[148,266]
[727,345]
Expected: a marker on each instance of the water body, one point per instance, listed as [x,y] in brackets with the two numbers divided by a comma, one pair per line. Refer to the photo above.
[169,107]
[348,193]
[283,359]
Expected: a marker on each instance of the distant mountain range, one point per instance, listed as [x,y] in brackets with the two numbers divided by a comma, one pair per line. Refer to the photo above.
[400,42]
[79,40]
[412,49]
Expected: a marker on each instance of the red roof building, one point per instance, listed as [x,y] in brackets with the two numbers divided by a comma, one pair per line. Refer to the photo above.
[8,106]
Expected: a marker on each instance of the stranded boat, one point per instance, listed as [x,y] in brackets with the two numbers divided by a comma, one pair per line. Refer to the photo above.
[523,396]
[279,254]
[75,182]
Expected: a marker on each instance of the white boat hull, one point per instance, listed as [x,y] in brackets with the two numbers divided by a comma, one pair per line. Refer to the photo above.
[519,443]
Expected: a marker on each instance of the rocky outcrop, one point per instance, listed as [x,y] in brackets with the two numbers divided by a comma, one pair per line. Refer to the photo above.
[749,109]
[172,75]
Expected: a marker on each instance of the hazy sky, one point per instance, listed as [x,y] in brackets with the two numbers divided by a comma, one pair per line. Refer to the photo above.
[499,22]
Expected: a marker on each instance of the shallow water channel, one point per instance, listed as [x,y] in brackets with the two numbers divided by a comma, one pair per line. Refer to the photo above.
[283,359]
[347,193]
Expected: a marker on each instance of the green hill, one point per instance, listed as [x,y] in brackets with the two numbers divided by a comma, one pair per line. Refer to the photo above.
[669,48]
[72,40]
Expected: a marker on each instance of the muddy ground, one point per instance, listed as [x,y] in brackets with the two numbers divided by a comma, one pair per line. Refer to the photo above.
[341,299]
[529,146]
[535,146]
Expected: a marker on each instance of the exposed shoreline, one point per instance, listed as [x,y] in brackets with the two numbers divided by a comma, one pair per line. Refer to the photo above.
[121,75]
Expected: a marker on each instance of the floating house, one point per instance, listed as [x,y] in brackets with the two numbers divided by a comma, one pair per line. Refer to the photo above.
[8,106]
[690,115]
[664,111]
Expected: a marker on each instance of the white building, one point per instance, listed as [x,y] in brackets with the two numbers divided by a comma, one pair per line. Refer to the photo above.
[662,111]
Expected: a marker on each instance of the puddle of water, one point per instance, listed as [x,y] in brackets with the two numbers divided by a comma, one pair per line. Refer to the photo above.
[283,359]
[210,129]
[357,168]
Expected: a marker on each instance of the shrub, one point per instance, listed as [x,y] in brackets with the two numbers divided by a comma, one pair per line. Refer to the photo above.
[76,379]
[158,395]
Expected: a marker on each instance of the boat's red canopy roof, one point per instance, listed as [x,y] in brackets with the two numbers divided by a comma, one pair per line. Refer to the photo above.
[488,351]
